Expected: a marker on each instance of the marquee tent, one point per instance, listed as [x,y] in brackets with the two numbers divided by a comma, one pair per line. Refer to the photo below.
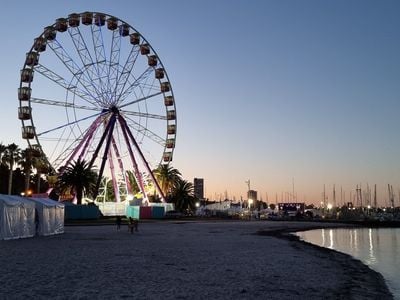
[50,216]
[17,217]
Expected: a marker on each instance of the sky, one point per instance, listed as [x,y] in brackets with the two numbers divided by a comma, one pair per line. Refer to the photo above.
[291,95]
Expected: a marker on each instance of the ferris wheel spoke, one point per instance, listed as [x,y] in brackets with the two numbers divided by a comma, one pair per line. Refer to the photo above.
[76,71]
[126,71]
[146,132]
[137,81]
[68,146]
[46,72]
[77,144]
[144,115]
[68,124]
[114,64]
[140,99]
[63,104]
[89,65]
[100,53]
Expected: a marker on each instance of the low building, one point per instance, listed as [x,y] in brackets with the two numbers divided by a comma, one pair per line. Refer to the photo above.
[198,185]
[291,209]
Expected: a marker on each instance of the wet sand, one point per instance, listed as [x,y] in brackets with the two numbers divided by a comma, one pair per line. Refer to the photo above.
[183,260]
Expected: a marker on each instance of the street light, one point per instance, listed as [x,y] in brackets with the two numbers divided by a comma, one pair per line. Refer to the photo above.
[250,203]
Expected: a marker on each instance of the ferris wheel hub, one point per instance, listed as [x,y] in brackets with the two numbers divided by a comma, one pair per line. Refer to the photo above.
[114,109]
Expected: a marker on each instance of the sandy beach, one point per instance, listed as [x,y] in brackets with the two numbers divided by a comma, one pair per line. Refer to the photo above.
[182,260]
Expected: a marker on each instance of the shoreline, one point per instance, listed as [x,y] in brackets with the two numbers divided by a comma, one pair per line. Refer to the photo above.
[362,278]
[182,260]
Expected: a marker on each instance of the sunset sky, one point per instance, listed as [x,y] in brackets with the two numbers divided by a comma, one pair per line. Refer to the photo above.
[278,92]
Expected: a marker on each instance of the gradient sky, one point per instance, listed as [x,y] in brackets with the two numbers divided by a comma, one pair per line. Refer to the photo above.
[272,91]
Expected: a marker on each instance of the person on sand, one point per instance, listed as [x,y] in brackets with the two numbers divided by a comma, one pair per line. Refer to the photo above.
[118,222]
[136,224]
[131,225]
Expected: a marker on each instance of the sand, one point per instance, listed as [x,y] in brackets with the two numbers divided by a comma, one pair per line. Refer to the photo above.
[182,260]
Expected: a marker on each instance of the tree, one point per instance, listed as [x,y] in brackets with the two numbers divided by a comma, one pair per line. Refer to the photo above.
[167,177]
[41,167]
[11,156]
[2,152]
[183,195]
[3,170]
[26,164]
[78,178]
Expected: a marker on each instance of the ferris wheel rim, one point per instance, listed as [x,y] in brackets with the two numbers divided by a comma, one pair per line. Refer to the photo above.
[30,122]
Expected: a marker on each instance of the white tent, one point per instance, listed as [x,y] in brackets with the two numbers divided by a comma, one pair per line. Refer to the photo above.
[17,217]
[50,216]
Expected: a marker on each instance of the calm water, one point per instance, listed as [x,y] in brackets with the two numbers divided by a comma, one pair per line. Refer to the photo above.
[379,248]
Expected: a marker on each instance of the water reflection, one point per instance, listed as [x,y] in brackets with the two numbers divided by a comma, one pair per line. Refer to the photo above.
[376,247]
[372,258]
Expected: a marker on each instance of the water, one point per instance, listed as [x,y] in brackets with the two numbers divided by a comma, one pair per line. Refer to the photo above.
[379,248]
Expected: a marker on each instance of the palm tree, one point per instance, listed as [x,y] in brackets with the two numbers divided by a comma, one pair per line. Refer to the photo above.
[167,177]
[183,195]
[3,170]
[26,164]
[41,167]
[12,155]
[78,177]
[2,152]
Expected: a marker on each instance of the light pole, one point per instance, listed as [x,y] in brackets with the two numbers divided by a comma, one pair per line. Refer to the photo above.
[250,203]
[329,207]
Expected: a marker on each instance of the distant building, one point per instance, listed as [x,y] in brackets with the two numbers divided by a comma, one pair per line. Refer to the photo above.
[198,184]
[291,209]
[251,194]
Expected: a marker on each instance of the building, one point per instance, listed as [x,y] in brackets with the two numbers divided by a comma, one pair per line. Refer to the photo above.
[291,209]
[198,184]
[251,194]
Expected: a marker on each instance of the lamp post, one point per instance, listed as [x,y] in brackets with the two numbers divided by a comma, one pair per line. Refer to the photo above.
[250,203]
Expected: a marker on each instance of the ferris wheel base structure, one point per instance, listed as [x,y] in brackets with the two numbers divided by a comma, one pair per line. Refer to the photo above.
[93,88]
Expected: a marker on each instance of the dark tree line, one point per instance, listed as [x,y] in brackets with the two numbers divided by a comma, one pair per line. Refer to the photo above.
[22,172]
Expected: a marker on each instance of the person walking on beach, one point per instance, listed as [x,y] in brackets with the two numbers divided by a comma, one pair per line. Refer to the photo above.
[118,222]
[131,225]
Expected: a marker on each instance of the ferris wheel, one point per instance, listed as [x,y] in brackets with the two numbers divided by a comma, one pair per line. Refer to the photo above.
[93,88]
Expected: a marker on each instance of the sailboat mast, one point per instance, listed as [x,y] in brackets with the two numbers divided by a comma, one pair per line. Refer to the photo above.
[334,196]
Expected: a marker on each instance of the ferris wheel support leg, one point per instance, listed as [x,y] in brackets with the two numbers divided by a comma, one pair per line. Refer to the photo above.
[143,159]
[100,144]
[108,143]
[96,152]
[85,141]
[90,134]
[121,166]
[113,177]
[135,166]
